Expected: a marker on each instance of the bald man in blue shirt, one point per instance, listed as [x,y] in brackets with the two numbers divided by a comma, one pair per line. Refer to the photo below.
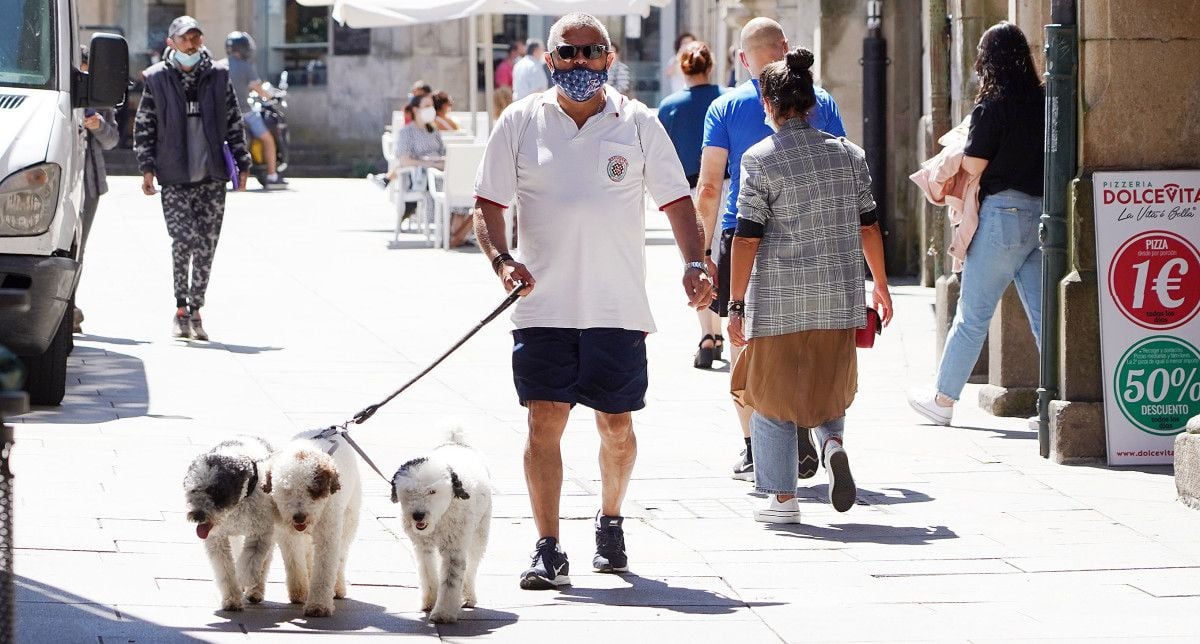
[736,121]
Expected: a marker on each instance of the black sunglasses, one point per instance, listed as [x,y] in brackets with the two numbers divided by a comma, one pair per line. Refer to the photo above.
[590,52]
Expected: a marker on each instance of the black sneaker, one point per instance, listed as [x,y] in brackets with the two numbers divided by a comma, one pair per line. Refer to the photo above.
[744,469]
[549,568]
[610,545]
[808,454]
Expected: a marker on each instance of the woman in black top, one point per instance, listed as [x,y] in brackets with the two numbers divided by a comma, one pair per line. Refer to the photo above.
[1004,148]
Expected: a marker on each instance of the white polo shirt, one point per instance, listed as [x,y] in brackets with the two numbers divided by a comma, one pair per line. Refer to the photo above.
[581,212]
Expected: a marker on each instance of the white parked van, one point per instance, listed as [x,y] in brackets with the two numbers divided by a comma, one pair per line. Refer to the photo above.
[42,100]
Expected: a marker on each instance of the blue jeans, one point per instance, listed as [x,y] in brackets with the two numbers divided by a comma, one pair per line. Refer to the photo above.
[777,451]
[1005,249]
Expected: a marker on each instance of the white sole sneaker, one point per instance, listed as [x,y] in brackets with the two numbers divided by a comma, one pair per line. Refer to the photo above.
[766,515]
[743,476]
[926,405]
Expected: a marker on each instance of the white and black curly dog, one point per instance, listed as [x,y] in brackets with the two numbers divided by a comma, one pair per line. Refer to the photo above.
[224,501]
[317,493]
[446,501]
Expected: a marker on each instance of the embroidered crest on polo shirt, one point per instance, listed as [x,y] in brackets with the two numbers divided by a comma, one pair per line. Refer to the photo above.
[617,167]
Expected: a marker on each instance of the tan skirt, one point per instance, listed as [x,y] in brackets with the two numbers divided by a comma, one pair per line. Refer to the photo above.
[807,377]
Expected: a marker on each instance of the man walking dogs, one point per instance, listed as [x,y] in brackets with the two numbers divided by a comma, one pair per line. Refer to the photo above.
[188,111]
[577,158]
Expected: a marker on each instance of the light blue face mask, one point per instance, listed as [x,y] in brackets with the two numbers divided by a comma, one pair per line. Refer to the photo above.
[186,60]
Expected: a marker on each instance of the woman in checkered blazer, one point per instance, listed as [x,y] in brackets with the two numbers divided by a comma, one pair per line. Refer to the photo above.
[806,221]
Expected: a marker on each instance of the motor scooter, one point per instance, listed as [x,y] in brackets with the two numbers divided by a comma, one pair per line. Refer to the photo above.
[273,112]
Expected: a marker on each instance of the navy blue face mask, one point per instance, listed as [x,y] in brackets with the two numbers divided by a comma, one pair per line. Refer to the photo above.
[579,83]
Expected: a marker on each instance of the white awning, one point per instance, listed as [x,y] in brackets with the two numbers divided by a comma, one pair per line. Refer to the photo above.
[391,13]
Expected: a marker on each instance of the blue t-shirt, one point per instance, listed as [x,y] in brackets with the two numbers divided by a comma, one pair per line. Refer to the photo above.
[736,121]
[682,114]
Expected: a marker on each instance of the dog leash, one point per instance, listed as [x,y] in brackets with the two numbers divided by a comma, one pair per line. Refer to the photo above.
[361,417]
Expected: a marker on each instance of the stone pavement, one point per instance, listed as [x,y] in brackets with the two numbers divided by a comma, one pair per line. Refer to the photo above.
[960,534]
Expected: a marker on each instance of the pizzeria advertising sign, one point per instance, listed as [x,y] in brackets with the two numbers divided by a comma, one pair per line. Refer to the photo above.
[1147,228]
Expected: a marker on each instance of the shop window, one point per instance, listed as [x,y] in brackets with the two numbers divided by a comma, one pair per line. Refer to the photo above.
[305,43]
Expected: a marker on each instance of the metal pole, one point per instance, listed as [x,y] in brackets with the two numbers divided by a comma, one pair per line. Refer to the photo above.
[874,63]
[473,72]
[489,69]
[1062,61]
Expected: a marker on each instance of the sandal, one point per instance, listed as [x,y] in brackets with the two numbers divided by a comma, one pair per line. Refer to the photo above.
[718,346]
[704,356]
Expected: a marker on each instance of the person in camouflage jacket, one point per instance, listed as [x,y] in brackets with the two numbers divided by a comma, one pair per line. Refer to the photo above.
[188,116]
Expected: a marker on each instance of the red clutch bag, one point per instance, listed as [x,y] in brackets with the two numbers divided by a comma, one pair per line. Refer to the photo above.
[864,337]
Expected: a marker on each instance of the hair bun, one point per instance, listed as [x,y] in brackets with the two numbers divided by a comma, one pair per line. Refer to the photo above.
[800,59]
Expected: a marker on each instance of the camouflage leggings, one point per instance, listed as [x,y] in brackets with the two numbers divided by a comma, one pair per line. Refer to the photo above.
[194,213]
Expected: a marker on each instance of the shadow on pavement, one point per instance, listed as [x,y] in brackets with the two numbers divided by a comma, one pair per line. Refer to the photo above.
[104,339]
[351,615]
[50,614]
[643,591]
[474,622]
[101,385]
[902,495]
[867,533]
[1006,434]
[232,348]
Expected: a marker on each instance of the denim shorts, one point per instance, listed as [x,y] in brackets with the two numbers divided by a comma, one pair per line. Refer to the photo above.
[254,121]
[604,369]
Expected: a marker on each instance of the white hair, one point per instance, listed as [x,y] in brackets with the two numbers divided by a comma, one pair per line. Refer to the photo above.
[575,21]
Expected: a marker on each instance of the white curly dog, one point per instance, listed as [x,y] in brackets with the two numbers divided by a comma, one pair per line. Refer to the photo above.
[315,485]
[223,500]
[446,498]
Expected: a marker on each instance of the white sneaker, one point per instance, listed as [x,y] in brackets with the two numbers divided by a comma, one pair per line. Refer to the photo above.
[924,402]
[842,492]
[776,512]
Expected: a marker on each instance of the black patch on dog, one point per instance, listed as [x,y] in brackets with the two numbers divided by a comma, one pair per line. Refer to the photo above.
[266,486]
[410,464]
[232,473]
[456,485]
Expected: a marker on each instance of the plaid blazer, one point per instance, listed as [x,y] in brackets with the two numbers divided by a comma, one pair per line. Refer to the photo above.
[808,189]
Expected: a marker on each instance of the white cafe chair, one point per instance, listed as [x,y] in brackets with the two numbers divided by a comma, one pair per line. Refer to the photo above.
[453,188]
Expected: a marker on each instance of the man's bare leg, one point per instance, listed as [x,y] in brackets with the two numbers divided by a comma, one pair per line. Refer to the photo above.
[618,451]
[744,412]
[543,462]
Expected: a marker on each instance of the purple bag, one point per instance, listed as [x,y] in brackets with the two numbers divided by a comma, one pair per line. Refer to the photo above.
[230,164]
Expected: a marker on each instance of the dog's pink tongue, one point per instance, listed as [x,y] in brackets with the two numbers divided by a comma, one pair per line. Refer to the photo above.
[202,530]
[300,526]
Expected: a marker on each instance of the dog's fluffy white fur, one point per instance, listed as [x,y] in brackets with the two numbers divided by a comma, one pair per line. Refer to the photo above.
[446,498]
[223,500]
[317,497]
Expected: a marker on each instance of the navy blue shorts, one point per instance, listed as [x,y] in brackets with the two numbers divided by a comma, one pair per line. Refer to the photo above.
[604,369]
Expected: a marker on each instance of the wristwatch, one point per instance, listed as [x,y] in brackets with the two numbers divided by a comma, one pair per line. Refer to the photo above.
[696,265]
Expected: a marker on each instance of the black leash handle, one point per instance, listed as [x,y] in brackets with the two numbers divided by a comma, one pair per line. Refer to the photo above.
[362,416]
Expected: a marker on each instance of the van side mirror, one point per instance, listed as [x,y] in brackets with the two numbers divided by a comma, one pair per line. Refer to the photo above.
[108,72]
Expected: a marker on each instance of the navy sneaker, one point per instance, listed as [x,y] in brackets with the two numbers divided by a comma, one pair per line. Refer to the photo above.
[549,569]
[610,545]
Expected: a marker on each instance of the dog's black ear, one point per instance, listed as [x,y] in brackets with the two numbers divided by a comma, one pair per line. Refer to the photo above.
[456,485]
[266,486]
[395,497]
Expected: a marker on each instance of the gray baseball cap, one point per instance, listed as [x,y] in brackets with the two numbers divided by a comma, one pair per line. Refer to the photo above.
[182,25]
